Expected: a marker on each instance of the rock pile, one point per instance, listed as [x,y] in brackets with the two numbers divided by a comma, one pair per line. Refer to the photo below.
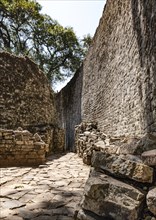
[122,181]
[87,139]
[54,137]
[20,147]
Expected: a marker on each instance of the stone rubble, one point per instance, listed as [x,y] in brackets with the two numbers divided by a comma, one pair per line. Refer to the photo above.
[106,196]
[122,167]
[48,192]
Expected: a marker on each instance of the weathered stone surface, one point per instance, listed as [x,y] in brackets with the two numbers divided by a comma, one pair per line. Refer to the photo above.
[149,157]
[27,98]
[87,141]
[109,197]
[112,154]
[86,215]
[137,145]
[13,204]
[53,192]
[83,216]
[88,138]
[22,148]
[59,140]
[151,200]
[122,166]
[118,72]
[25,92]
[13,218]
[68,104]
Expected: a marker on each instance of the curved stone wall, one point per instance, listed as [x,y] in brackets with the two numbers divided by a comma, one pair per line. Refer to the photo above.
[25,96]
[27,100]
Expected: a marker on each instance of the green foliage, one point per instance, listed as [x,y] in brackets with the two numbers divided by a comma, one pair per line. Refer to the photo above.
[25,30]
[86,42]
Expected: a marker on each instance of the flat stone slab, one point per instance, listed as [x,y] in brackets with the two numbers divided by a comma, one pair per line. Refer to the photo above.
[50,192]
[14,217]
[5,212]
[149,157]
[108,197]
[122,166]
[12,204]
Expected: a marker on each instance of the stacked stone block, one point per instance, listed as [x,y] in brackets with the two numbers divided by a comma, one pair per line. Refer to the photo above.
[21,148]
[122,181]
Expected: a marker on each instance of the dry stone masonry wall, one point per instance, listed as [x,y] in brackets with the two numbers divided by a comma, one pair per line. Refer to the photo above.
[122,181]
[116,87]
[27,100]
[21,148]
[68,103]
[25,94]
[119,93]
[119,80]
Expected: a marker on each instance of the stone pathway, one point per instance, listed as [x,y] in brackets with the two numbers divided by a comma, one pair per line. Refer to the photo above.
[48,192]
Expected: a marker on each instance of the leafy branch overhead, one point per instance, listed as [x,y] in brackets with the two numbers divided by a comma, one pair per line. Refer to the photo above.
[24,30]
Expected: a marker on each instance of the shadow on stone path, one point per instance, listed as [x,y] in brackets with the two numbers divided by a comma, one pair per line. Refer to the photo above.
[48,192]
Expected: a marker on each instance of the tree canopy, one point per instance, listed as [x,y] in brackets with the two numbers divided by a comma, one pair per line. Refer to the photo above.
[24,30]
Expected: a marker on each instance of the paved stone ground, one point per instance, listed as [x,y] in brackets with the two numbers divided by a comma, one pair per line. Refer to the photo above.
[48,192]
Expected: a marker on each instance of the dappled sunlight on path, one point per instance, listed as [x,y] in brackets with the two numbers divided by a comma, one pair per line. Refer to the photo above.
[50,191]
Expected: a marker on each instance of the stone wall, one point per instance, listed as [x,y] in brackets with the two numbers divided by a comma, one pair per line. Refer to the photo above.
[26,98]
[68,102]
[119,95]
[119,74]
[21,148]
[25,94]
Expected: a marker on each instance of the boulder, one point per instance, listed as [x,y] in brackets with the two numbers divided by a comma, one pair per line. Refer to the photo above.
[121,166]
[151,200]
[111,198]
[149,157]
[137,145]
